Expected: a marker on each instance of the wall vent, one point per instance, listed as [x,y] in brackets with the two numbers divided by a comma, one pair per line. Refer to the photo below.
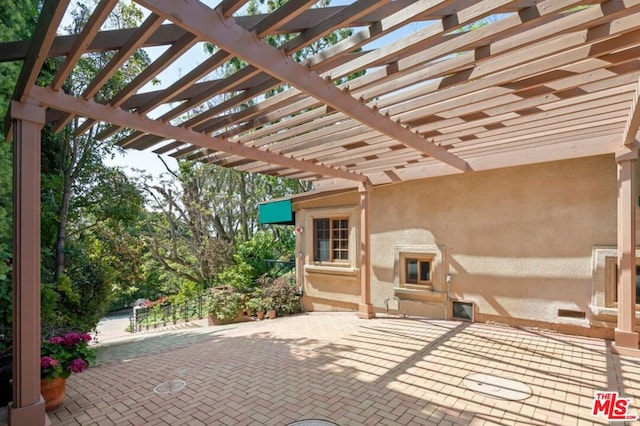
[462,310]
[568,313]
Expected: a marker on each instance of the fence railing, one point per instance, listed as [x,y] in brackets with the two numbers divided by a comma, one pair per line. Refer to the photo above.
[148,318]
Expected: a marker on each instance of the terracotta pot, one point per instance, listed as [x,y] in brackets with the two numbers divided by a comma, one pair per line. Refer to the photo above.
[53,392]
[260,315]
[272,314]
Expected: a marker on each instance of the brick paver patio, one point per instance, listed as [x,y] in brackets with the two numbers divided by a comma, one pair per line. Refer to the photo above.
[349,371]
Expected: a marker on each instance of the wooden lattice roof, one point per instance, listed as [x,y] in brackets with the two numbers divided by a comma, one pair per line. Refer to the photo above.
[543,81]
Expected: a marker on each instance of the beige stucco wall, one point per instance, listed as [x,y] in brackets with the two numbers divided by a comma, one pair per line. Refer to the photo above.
[517,242]
[327,288]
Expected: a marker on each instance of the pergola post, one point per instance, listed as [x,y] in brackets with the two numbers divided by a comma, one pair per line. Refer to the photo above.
[365,308]
[27,407]
[626,336]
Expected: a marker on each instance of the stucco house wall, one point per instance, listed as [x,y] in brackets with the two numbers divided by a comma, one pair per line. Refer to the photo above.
[525,245]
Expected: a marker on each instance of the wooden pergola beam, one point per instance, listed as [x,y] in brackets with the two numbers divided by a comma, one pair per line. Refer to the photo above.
[43,36]
[534,16]
[147,28]
[170,33]
[633,122]
[262,83]
[203,21]
[183,44]
[89,31]
[89,108]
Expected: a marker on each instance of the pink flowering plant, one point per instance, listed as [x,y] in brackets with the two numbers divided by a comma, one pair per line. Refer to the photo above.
[66,354]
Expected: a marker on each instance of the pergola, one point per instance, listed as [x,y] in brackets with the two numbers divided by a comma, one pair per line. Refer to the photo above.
[543,81]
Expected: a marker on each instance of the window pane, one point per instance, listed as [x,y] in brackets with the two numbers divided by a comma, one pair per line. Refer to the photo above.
[425,271]
[412,271]
[615,296]
[321,237]
[340,239]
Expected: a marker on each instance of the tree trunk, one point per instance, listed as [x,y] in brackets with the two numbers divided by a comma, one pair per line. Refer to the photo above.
[61,237]
[243,207]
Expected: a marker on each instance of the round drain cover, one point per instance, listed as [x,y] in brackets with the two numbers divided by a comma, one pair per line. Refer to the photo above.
[312,422]
[499,387]
[170,387]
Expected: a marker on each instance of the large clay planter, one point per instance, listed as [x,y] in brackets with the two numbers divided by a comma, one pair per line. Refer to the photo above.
[272,314]
[53,392]
[260,315]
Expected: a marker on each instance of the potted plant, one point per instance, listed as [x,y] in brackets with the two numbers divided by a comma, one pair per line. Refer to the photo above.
[254,305]
[269,304]
[61,356]
[224,307]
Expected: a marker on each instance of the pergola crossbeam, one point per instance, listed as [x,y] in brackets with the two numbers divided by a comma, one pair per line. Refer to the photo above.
[170,33]
[85,37]
[529,20]
[226,33]
[50,17]
[57,100]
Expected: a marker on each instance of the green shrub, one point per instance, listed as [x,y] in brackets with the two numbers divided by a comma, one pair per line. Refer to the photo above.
[224,306]
[283,293]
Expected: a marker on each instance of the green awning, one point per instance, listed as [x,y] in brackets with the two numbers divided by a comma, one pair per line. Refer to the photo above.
[275,212]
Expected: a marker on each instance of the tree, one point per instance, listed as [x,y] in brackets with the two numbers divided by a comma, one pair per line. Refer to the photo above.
[84,202]
[80,156]
[224,202]
[185,233]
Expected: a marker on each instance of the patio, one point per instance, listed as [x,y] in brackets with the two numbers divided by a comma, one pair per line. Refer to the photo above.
[336,367]
[413,93]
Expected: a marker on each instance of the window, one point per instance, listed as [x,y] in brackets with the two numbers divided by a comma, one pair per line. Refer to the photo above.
[418,272]
[612,288]
[331,239]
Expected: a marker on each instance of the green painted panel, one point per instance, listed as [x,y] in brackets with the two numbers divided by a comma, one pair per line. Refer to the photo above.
[276,212]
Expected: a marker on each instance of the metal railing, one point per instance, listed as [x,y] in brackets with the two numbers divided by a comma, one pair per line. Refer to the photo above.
[151,317]
[157,316]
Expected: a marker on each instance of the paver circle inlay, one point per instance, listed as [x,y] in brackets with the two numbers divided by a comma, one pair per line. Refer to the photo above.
[170,387]
[499,387]
[312,422]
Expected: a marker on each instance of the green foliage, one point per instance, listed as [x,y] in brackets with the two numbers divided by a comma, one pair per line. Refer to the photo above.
[17,20]
[91,247]
[256,304]
[280,294]
[261,247]
[6,236]
[250,256]
[238,275]
[188,290]
[79,298]
[185,233]
[225,306]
